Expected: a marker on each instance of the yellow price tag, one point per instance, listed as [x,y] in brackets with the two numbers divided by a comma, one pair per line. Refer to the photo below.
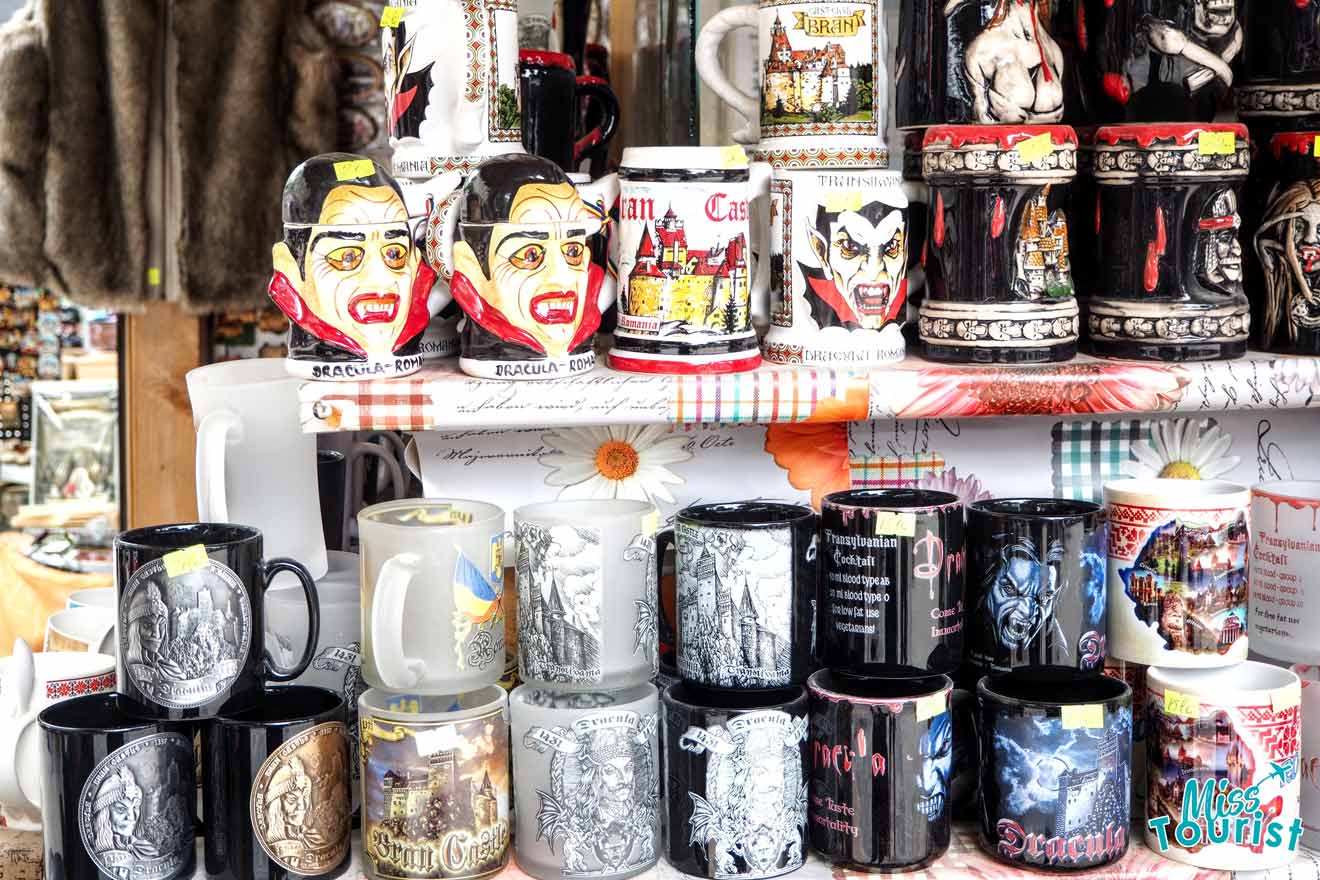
[1315,145]
[889,522]
[390,16]
[180,562]
[351,168]
[1183,705]
[1216,143]
[153,276]
[837,202]
[1087,715]
[1034,148]
[733,157]
[1286,698]
[651,523]
[931,705]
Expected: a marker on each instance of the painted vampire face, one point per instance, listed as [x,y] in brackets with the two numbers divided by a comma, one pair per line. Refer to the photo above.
[1217,242]
[1022,597]
[1213,18]
[359,266]
[536,271]
[865,260]
[936,765]
[1306,239]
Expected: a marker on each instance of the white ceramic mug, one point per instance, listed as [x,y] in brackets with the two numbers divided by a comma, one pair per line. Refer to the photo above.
[1310,755]
[254,463]
[815,107]
[839,251]
[432,591]
[85,628]
[451,82]
[96,597]
[1285,560]
[29,683]
[1240,724]
[1177,572]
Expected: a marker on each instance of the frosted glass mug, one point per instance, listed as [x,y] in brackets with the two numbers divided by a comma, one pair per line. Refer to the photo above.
[432,588]
[255,466]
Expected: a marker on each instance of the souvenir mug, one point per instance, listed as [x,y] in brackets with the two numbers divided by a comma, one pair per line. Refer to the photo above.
[1234,729]
[735,782]
[254,464]
[881,758]
[191,619]
[435,784]
[986,62]
[1036,583]
[1287,243]
[822,81]
[586,779]
[1159,60]
[1310,753]
[432,582]
[1285,556]
[1282,43]
[347,272]
[522,272]
[587,598]
[1177,580]
[81,629]
[746,584]
[96,597]
[553,96]
[838,267]
[276,787]
[28,684]
[1056,754]
[119,796]
[1134,675]
[451,81]
[1171,258]
[998,277]
[891,586]
[686,309]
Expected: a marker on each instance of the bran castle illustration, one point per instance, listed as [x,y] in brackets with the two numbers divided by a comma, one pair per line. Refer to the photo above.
[757,646]
[701,287]
[802,80]
[1082,793]
[569,644]
[407,793]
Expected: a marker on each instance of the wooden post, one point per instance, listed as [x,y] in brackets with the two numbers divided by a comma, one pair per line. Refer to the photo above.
[159,347]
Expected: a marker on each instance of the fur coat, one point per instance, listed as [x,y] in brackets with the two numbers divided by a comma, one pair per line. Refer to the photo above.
[144,144]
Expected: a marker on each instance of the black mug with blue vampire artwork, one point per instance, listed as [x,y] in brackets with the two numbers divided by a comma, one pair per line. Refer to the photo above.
[1056,768]
[1036,584]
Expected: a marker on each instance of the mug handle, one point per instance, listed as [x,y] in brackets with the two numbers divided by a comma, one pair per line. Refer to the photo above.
[397,670]
[212,436]
[273,567]
[441,227]
[663,540]
[712,73]
[594,143]
[606,191]
[11,783]
[759,175]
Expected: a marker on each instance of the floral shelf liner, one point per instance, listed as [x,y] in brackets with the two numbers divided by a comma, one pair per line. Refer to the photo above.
[442,397]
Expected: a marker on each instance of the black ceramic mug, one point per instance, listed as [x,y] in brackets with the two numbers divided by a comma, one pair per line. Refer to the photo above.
[1036,583]
[276,800]
[746,580]
[735,781]
[552,112]
[1056,767]
[331,483]
[1283,42]
[881,758]
[191,622]
[891,586]
[118,792]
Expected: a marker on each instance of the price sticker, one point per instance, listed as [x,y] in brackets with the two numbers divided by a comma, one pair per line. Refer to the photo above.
[733,157]
[1286,699]
[391,16]
[153,276]
[1315,145]
[1035,148]
[651,523]
[1088,715]
[1183,705]
[353,168]
[1216,143]
[189,559]
[931,705]
[838,202]
[889,522]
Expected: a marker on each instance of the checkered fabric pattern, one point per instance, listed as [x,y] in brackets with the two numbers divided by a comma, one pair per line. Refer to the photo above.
[757,396]
[387,405]
[1087,454]
[887,472]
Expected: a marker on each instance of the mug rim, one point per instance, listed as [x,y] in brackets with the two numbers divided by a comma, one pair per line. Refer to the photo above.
[710,515]
[483,512]
[830,685]
[698,159]
[78,722]
[1015,508]
[1267,490]
[137,538]
[64,666]
[1025,677]
[626,696]
[239,373]
[280,701]
[892,499]
[1216,682]
[601,510]
[491,699]
[698,702]
[1174,494]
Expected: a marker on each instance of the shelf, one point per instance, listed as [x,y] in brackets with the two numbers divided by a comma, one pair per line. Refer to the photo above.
[442,397]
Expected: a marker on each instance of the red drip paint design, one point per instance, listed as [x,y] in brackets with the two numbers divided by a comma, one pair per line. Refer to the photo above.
[1154,251]
[1294,503]
[997,219]
[1097,212]
[938,232]
[1040,46]
[1116,86]
[1300,142]
[1182,134]
[1003,136]
[1082,36]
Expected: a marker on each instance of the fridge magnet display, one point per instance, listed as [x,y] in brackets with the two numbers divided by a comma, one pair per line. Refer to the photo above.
[1288,246]
[1236,731]
[435,777]
[523,273]
[881,759]
[1056,773]
[1177,572]
[348,273]
[1036,583]
[736,787]
[838,267]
